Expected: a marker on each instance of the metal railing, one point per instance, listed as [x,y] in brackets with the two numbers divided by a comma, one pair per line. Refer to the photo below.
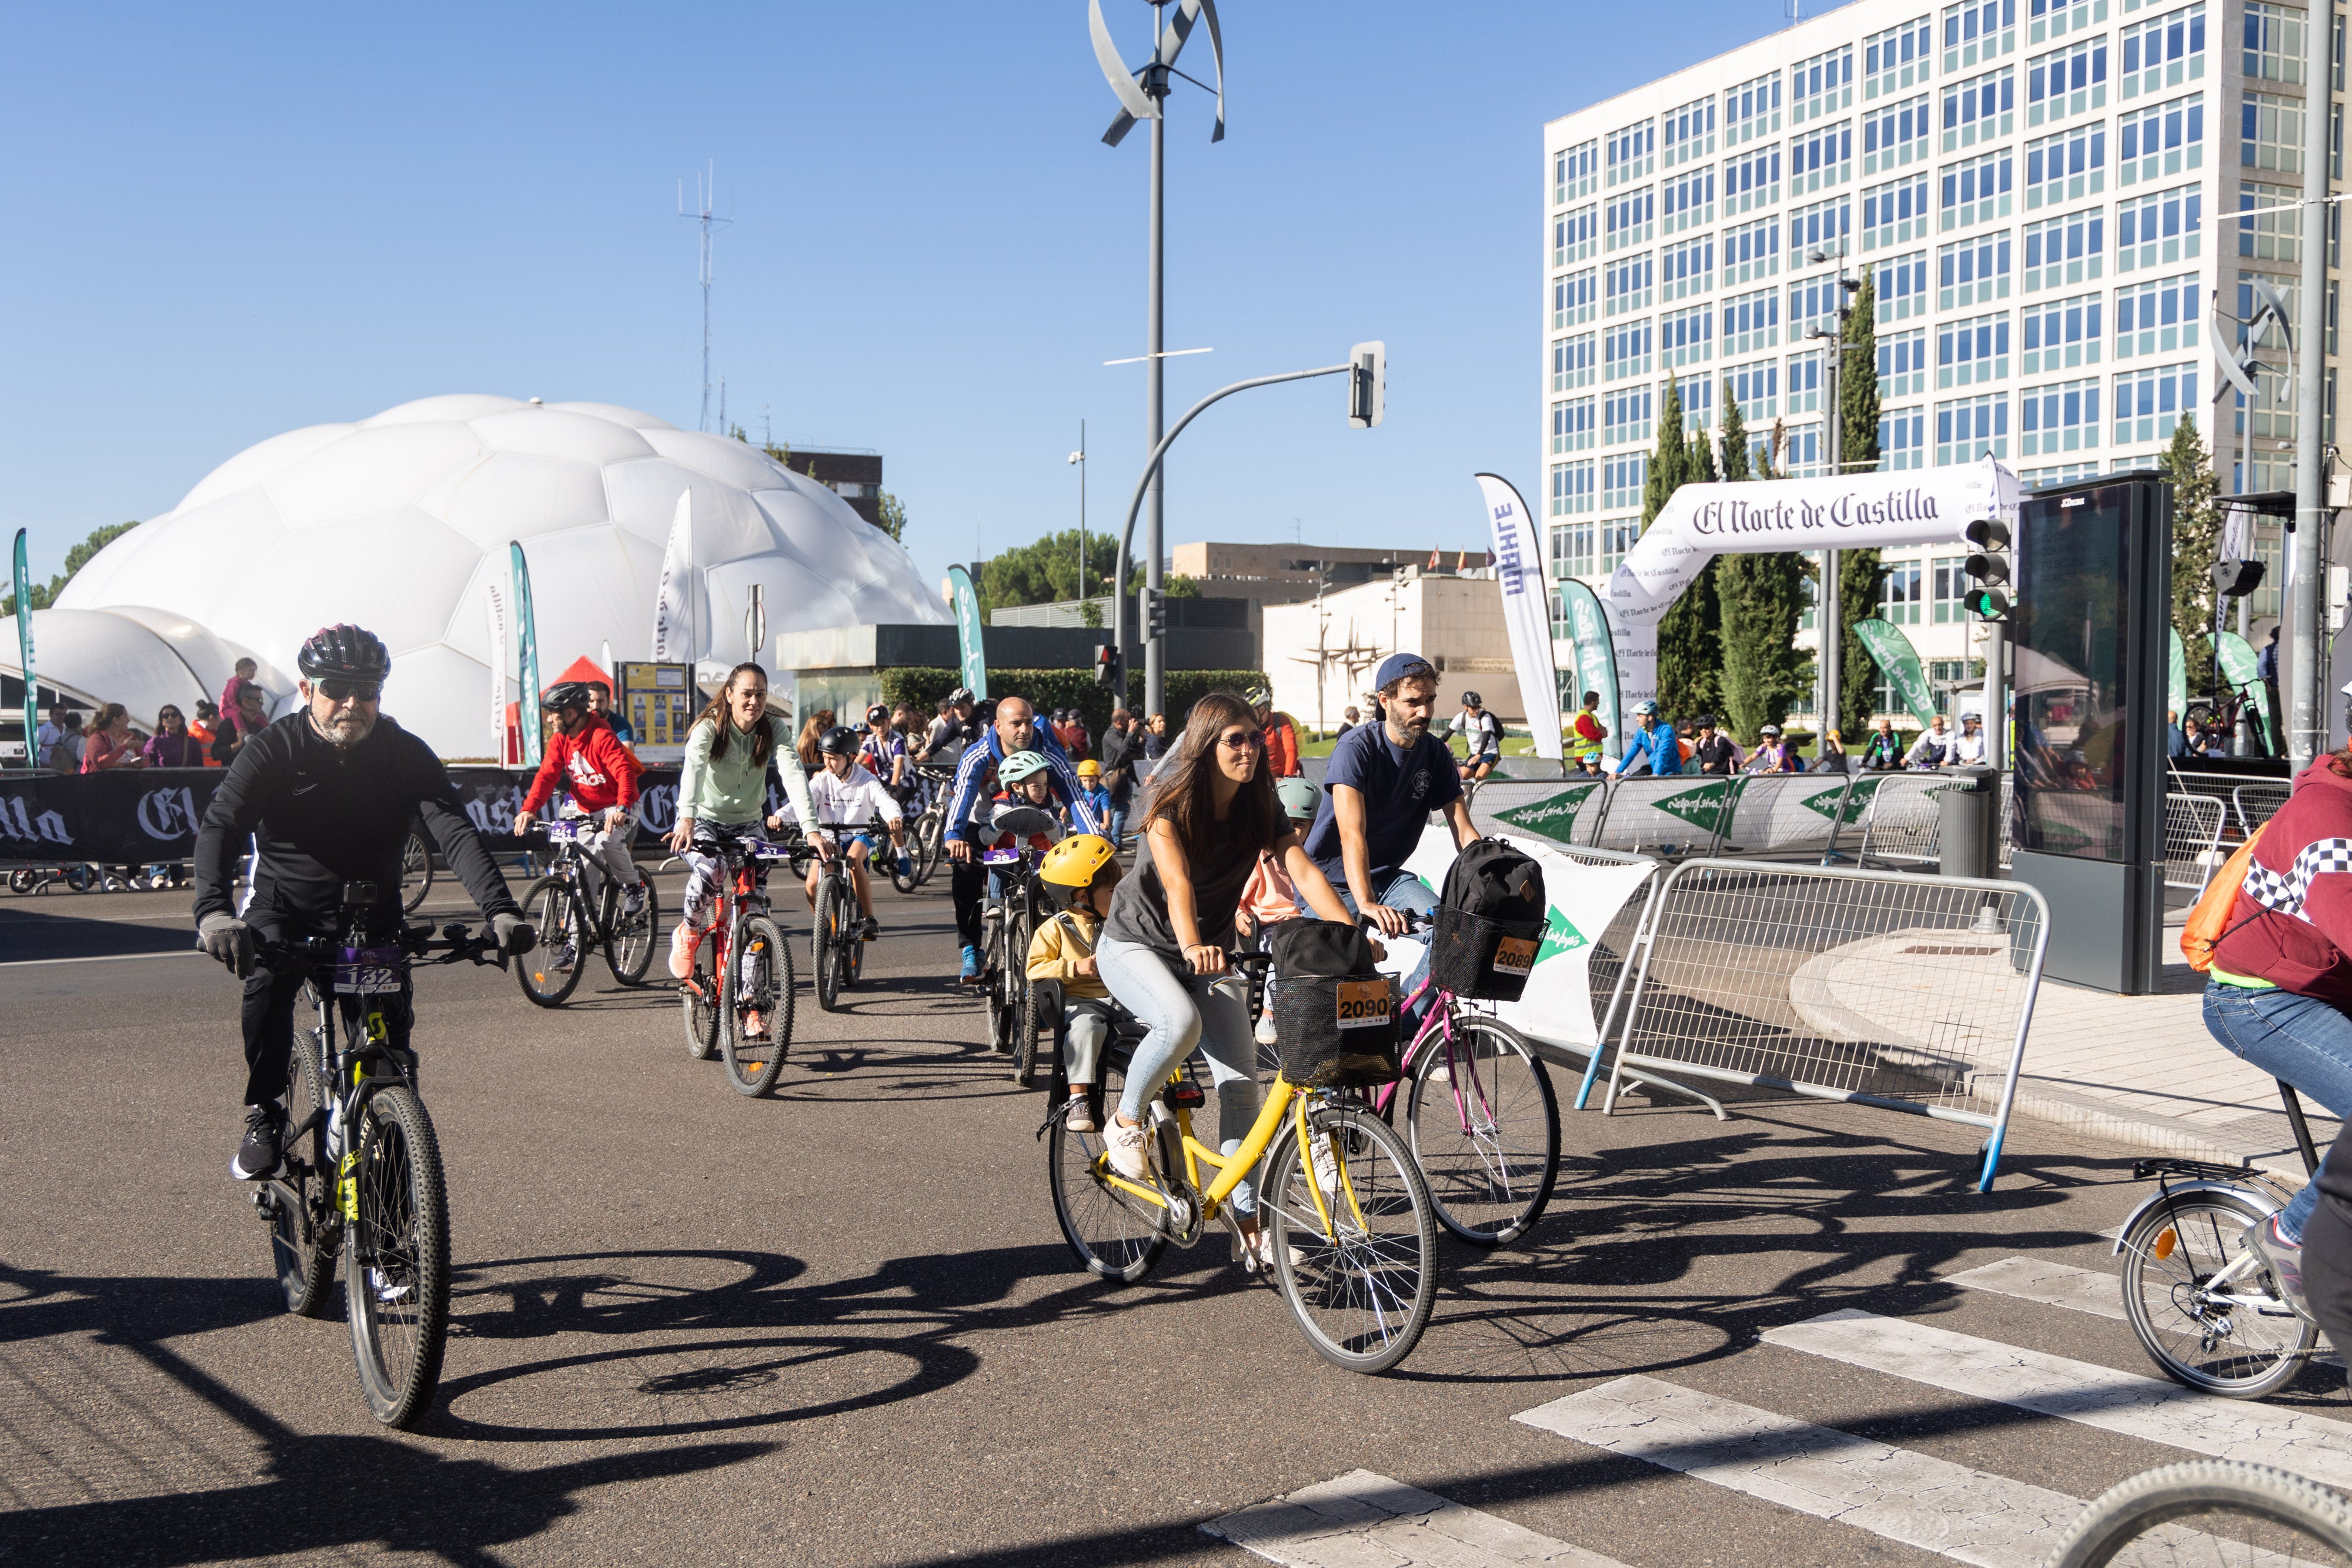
[1876,987]
[2192,840]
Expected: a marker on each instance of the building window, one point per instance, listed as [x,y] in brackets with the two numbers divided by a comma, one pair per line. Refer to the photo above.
[1821,158]
[1903,439]
[2269,545]
[1751,110]
[2060,418]
[1571,426]
[1751,182]
[1813,303]
[2071,249]
[1820,231]
[1573,171]
[1617,537]
[2161,141]
[1903,364]
[1571,549]
[1898,595]
[1626,285]
[1698,402]
[1945,677]
[1622,479]
[1687,201]
[1897,57]
[1819,86]
[2066,167]
[2275,43]
[1756,388]
[2066,81]
[1896,135]
[1630,219]
[2157,317]
[1686,269]
[1572,362]
[2149,402]
[1626,351]
[2270,132]
[1800,455]
[1948,580]
[1895,213]
[1971,352]
[2056,18]
[1687,337]
[1805,383]
[2272,226]
[1901,286]
[1571,488]
[1627,415]
[2158,230]
[1751,252]
[1980,109]
[1971,428]
[2164,52]
[1572,296]
[2061,334]
[1978,30]
[1976,192]
[1751,322]
[1572,235]
[1631,152]
[1688,132]
[2266,431]
[1972,272]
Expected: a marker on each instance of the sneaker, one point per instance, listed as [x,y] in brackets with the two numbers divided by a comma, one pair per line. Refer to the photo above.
[1125,1144]
[1265,1028]
[682,944]
[906,864]
[755,1025]
[868,929]
[1081,1116]
[258,1154]
[632,903]
[971,975]
[2283,1258]
[568,959]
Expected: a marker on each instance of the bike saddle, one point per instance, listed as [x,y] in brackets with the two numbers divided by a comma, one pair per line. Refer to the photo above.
[1023,820]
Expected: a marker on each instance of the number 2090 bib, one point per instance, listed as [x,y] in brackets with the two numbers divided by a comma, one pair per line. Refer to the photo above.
[1363,1004]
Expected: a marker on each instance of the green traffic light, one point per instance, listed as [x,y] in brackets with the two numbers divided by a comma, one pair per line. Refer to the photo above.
[1986,603]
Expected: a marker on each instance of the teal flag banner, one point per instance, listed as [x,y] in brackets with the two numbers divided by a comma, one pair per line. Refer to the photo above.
[25,655]
[2175,674]
[2238,668]
[527,647]
[1900,660]
[1596,658]
[967,615]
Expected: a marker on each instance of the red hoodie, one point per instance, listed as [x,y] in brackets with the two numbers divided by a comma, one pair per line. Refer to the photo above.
[597,768]
[2291,924]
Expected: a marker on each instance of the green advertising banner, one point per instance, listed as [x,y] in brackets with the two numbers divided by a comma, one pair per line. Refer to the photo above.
[25,655]
[1893,650]
[2176,675]
[527,647]
[2239,669]
[967,615]
[1596,659]
[1555,816]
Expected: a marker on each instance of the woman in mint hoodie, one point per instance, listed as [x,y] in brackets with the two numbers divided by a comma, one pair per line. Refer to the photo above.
[724,785]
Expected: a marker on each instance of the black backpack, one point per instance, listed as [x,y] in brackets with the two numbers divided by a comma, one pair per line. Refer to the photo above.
[1490,921]
[1334,1013]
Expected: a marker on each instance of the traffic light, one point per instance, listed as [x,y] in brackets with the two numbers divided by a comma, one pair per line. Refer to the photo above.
[2236,579]
[1155,612]
[1988,569]
[1106,665]
[1367,384]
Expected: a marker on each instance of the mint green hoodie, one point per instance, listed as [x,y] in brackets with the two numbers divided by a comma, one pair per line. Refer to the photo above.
[733,792]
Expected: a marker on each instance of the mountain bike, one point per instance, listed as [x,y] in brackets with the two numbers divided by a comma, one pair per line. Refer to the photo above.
[415,869]
[2220,716]
[2210,1511]
[838,937]
[1350,1231]
[362,1173]
[738,1000]
[572,920]
[926,829]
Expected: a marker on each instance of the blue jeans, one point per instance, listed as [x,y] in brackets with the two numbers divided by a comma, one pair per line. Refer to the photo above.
[1406,892]
[2304,1042]
[1183,1011]
[1117,827]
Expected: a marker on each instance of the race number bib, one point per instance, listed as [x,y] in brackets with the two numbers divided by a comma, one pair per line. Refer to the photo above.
[1363,1004]
[1514,955]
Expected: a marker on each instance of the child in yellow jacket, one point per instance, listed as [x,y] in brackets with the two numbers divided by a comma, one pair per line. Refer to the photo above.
[1062,949]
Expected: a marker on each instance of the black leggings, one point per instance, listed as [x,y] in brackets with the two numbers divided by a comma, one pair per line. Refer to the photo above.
[269,1019]
[966,881]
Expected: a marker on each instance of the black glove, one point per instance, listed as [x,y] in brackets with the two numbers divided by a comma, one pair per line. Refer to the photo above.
[515,935]
[227,940]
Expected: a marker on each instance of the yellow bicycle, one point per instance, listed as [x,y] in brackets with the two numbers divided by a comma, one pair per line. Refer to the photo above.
[1350,1234]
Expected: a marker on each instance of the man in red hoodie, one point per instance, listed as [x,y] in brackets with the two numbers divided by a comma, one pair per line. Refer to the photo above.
[602,778]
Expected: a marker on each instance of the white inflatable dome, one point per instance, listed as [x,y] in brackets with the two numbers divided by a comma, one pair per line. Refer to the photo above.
[400,522]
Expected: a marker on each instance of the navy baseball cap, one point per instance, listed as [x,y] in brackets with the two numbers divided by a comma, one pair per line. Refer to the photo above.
[1402,666]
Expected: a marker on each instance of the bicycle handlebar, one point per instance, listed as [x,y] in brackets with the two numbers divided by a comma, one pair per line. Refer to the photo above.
[455,942]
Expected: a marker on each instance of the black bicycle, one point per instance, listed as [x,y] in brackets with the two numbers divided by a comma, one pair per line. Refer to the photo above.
[1008,918]
[926,829]
[836,935]
[572,921]
[361,1176]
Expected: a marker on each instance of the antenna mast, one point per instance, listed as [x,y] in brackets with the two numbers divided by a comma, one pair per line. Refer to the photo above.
[706,186]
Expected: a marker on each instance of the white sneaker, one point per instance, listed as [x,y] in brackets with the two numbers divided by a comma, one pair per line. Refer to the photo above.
[682,944]
[1125,1145]
[1265,1028]
[632,903]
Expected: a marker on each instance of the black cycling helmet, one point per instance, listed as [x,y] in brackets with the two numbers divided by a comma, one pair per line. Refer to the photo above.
[563,695]
[840,740]
[959,696]
[878,714]
[346,651]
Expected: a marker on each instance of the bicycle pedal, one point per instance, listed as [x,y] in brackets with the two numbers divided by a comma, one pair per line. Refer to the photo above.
[1189,1095]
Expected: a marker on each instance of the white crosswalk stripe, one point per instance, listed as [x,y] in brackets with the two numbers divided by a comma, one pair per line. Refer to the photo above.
[1361,1519]
[2050,1284]
[2120,1402]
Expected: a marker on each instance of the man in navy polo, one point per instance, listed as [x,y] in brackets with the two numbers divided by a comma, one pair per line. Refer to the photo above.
[1383,781]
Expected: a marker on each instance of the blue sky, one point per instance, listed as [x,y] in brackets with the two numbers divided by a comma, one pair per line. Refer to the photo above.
[227,223]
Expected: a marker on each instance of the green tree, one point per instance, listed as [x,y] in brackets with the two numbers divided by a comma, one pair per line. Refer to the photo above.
[894,517]
[2196,545]
[45,594]
[1690,634]
[1860,571]
[1759,598]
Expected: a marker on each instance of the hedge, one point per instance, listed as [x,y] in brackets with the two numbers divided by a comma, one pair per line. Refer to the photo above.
[921,689]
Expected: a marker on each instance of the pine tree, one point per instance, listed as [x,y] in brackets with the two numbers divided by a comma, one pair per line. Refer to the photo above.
[1860,571]
[1690,634]
[1759,599]
[2196,544]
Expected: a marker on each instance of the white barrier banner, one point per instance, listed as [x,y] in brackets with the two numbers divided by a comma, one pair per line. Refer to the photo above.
[1562,811]
[1790,811]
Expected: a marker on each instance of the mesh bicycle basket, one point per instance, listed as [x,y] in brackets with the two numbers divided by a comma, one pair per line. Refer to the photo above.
[1334,1014]
[1490,921]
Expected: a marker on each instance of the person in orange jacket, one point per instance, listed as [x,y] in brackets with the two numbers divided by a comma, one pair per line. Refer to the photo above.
[1281,734]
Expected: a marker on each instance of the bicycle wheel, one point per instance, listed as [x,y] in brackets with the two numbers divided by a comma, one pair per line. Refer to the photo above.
[696,1000]
[551,904]
[1484,1127]
[1031,1033]
[998,979]
[629,945]
[1364,1284]
[415,872]
[913,878]
[397,1294]
[759,981]
[2211,1511]
[824,943]
[1108,1232]
[2241,1341]
[299,1231]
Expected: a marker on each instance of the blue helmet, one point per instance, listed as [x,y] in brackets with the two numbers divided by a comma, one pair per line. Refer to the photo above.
[1645,709]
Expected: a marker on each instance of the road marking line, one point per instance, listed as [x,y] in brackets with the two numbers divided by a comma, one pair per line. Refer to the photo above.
[1361,1518]
[2079,1391]
[2052,1284]
[104,957]
[1937,1506]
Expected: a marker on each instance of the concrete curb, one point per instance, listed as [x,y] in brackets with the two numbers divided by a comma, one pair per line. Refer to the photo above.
[2050,1103]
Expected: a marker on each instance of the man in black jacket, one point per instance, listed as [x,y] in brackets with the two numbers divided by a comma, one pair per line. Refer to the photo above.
[326,795]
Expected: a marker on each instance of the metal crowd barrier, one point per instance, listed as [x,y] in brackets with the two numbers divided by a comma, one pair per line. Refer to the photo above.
[1903,824]
[1876,988]
[2192,840]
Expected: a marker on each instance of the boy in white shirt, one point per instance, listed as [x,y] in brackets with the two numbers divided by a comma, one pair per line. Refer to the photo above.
[847,798]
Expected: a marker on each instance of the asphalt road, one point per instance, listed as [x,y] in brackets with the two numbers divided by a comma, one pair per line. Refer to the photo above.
[840,1326]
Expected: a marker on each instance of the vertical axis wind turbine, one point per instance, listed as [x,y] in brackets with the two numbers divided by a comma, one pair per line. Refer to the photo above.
[1143,95]
[706,186]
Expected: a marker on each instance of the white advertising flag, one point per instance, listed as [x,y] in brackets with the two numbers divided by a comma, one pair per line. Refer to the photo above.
[673,639]
[496,602]
[1527,609]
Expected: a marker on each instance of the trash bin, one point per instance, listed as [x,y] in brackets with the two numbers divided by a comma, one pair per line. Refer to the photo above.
[1968,820]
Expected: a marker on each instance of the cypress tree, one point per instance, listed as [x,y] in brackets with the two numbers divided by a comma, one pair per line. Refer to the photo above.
[1690,634]
[1760,596]
[2196,545]
[1860,571]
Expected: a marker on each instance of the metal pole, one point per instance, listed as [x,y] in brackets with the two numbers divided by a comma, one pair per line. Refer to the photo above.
[1083,594]
[2241,738]
[2306,715]
[1155,660]
[1832,639]
[1996,695]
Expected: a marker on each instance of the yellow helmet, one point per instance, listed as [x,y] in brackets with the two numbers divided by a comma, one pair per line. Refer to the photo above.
[1089,768]
[1077,860]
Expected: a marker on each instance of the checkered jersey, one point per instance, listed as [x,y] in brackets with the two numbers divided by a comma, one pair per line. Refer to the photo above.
[2285,892]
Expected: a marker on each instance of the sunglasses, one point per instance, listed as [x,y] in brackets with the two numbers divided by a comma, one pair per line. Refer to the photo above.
[1241,741]
[336,689]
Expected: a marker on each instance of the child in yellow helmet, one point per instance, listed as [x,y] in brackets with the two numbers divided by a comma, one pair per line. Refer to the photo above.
[1062,949]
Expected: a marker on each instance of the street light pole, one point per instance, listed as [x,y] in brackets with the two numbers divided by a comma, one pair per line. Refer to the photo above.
[1079,457]
[2306,716]
[1155,85]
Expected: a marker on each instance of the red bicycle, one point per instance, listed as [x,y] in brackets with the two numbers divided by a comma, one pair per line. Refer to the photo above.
[737,1001]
